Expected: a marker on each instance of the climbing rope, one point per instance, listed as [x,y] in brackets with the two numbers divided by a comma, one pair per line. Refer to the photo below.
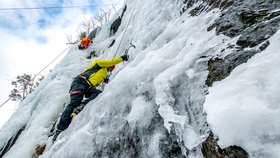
[52,61]
[110,73]
[39,73]
[126,28]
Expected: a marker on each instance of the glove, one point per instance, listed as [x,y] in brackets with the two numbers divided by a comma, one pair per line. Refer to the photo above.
[106,80]
[125,57]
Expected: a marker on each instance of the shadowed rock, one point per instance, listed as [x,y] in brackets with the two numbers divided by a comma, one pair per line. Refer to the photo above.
[211,149]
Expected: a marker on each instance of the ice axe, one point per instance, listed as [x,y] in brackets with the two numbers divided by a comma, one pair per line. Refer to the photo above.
[127,49]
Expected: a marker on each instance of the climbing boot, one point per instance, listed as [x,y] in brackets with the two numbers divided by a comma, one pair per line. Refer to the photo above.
[57,132]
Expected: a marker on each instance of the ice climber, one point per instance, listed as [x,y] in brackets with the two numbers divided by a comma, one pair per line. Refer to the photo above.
[84,85]
[84,43]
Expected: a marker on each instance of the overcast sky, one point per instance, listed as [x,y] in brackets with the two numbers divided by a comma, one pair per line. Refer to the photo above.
[31,39]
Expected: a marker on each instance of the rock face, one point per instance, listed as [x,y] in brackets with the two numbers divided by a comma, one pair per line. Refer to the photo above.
[210,149]
[206,6]
[94,32]
[221,68]
[254,21]
[133,143]
[115,25]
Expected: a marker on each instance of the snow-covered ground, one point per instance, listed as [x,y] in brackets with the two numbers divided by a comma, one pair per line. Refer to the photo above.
[242,109]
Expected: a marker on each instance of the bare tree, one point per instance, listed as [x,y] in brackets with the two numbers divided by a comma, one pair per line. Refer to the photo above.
[107,16]
[23,86]
[113,6]
[99,17]
[87,25]
[69,38]
[102,17]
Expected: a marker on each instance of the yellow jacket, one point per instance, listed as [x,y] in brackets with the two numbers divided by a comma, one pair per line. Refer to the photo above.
[97,70]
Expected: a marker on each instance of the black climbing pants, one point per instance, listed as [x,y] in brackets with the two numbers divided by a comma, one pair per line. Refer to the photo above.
[79,89]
